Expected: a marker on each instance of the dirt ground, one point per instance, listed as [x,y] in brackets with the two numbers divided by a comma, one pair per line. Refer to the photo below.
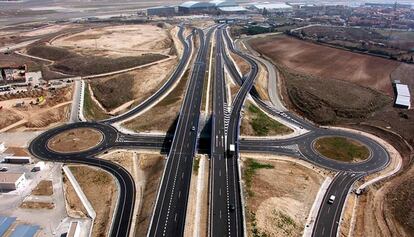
[120,92]
[29,116]
[281,197]
[43,188]
[37,205]
[262,82]
[74,206]
[153,166]
[102,195]
[118,41]
[328,63]
[162,117]
[74,140]
[241,63]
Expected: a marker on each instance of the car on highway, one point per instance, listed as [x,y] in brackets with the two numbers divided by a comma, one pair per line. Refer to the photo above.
[192,128]
[232,208]
[3,169]
[331,199]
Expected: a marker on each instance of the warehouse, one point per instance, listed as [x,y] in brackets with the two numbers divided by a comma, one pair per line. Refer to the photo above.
[192,7]
[232,10]
[403,97]
[272,7]
[11,181]
[223,3]
[161,11]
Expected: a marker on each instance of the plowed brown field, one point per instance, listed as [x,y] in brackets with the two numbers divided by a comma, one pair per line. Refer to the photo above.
[329,63]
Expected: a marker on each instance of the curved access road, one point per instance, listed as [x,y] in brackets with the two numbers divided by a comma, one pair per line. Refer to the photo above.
[177,74]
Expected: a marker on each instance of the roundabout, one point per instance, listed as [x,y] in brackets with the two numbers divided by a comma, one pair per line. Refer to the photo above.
[75,140]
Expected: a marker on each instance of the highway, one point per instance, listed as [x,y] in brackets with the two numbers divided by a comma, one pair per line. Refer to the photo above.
[226,211]
[219,194]
[171,206]
[236,217]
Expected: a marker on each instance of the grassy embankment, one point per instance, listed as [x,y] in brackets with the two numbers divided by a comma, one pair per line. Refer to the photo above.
[257,123]
[251,167]
[90,108]
[342,149]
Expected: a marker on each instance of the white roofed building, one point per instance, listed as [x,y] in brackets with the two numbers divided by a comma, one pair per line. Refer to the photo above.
[271,7]
[232,10]
[403,97]
[223,3]
[195,7]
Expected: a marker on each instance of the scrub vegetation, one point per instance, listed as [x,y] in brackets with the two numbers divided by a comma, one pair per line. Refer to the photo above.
[257,123]
[251,167]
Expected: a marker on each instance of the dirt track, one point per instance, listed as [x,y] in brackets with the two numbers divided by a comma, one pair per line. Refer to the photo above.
[329,63]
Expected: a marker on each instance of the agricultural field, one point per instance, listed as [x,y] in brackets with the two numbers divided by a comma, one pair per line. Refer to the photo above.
[395,44]
[334,86]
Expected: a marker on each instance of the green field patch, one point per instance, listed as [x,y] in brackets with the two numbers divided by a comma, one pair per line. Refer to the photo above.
[342,149]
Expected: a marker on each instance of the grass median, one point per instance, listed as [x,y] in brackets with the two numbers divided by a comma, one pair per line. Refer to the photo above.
[342,149]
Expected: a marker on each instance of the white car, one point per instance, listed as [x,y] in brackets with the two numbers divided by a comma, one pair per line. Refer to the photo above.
[331,199]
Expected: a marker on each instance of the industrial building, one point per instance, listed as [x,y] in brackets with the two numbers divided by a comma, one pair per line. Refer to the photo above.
[11,181]
[192,7]
[9,225]
[161,11]
[232,10]
[223,3]
[403,97]
[271,7]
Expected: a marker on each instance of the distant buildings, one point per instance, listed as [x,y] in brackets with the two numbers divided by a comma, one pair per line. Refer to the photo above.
[403,97]
[161,11]
[271,7]
[12,74]
[232,10]
[192,7]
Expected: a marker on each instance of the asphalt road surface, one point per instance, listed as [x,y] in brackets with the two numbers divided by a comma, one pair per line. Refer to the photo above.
[220,211]
[171,205]
[226,210]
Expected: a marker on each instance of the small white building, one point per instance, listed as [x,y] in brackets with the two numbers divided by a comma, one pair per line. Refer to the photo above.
[11,181]
[2,147]
[403,97]
[74,229]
